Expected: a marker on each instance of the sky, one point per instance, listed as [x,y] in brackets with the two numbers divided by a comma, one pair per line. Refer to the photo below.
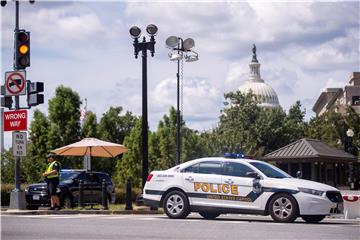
[303,48]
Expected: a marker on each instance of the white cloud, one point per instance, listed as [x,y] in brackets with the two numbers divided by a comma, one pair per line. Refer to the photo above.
[86,45]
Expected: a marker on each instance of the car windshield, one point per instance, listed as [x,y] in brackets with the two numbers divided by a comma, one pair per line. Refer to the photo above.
[270,170]
[68,177]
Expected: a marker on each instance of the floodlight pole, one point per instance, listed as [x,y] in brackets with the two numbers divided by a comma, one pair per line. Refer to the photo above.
[178,134]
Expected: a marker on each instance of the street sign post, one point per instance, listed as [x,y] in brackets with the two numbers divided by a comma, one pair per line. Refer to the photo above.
[15,120]
[19,144]
[15,82]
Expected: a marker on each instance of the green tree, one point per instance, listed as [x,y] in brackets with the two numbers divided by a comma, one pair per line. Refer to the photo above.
[166,134]
[295,124]
[130,166]
[7,167]
[64,116]
[90,126]
[35,162]
[113,127]
[236,130]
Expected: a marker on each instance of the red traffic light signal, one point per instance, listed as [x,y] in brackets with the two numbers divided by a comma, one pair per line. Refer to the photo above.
[22,49]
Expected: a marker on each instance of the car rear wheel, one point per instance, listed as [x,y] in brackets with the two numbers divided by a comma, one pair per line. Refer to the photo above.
[209,215]
[313,218]
[176,205]
[283,208]
[67,202]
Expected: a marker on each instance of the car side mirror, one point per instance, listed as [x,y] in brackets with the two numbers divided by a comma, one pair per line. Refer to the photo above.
[253,175]
[298,174]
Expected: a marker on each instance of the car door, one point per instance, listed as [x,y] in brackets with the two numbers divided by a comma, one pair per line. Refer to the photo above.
[201,182]
[243,192]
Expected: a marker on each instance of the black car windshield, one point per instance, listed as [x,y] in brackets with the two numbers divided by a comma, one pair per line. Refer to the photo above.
[269,170]
[68,177]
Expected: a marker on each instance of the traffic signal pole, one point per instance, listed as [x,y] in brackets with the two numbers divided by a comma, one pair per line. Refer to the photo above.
[17,196]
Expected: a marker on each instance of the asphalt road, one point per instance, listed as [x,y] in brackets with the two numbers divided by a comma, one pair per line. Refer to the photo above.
[142,227]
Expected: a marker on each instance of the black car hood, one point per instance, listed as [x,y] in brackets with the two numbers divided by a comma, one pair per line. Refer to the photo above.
[38,185]
[43,185]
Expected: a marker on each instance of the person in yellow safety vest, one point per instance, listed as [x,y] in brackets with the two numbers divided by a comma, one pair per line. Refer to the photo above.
[52,179]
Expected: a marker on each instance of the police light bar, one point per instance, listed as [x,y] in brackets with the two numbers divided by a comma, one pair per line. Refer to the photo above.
[234,155]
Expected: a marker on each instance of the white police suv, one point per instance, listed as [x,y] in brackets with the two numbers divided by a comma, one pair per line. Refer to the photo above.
[217,185]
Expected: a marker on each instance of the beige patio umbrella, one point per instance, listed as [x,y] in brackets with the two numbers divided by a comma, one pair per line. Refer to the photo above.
[92,147]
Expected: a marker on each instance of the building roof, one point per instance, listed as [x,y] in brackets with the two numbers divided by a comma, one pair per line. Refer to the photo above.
[310,149]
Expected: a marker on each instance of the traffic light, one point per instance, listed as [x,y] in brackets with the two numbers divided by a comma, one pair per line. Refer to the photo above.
[6,101]
[22,49]
[35,97]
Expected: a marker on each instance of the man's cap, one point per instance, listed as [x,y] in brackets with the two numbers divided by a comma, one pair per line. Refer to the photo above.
[50,155]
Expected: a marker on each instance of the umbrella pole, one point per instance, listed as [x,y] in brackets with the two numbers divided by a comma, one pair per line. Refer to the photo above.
[90,160]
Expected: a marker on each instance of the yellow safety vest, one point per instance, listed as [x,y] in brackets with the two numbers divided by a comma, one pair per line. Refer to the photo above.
[49,169]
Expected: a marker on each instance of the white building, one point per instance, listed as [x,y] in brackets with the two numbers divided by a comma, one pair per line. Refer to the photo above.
[264,92]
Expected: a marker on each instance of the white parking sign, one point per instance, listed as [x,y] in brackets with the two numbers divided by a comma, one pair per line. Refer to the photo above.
[19,140]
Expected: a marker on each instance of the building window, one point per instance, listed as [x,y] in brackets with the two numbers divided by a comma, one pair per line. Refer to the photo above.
[356,100]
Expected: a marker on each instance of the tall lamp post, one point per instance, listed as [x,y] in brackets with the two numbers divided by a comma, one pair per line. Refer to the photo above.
[143,47]
[180,49]
[350,149]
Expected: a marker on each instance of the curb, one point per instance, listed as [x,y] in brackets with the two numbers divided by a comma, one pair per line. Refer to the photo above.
[73,212]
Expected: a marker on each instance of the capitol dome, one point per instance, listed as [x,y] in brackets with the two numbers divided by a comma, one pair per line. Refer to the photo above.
[264,92]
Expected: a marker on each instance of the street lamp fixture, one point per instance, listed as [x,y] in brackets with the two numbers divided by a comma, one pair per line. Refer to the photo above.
[350,149]
[143,47]
[180,49]
[350,133]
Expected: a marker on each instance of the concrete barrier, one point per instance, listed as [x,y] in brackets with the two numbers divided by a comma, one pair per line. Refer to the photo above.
[351,205]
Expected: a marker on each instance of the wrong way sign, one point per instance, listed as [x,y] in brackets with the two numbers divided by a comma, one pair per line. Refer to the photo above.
[15,120]
[15,83]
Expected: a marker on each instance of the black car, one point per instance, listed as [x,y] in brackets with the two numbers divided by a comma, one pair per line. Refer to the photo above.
[68,189]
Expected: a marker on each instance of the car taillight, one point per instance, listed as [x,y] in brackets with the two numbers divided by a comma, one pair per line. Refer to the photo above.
[149,177]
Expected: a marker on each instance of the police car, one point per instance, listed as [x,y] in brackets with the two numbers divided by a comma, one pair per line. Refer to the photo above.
[219,185]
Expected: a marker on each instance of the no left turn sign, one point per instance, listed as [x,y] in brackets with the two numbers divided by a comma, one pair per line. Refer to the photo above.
[15,83]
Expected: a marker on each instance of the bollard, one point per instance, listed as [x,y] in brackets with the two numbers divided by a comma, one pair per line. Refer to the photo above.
[81,193]
[104,196]
[128,201]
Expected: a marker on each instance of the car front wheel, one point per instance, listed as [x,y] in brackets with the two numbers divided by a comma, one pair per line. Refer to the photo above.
[283,208]
[313,218]
[176,205]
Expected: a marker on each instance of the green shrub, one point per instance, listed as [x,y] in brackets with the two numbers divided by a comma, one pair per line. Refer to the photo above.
[5,192]
[120,193]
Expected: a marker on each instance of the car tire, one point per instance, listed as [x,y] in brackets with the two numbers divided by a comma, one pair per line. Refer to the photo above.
[283,208]
[209,215]
[30,207]
[313,218]
[176,205]
[67,202]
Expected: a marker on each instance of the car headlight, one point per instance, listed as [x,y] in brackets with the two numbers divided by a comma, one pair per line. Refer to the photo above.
[26,190]
[311,191]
